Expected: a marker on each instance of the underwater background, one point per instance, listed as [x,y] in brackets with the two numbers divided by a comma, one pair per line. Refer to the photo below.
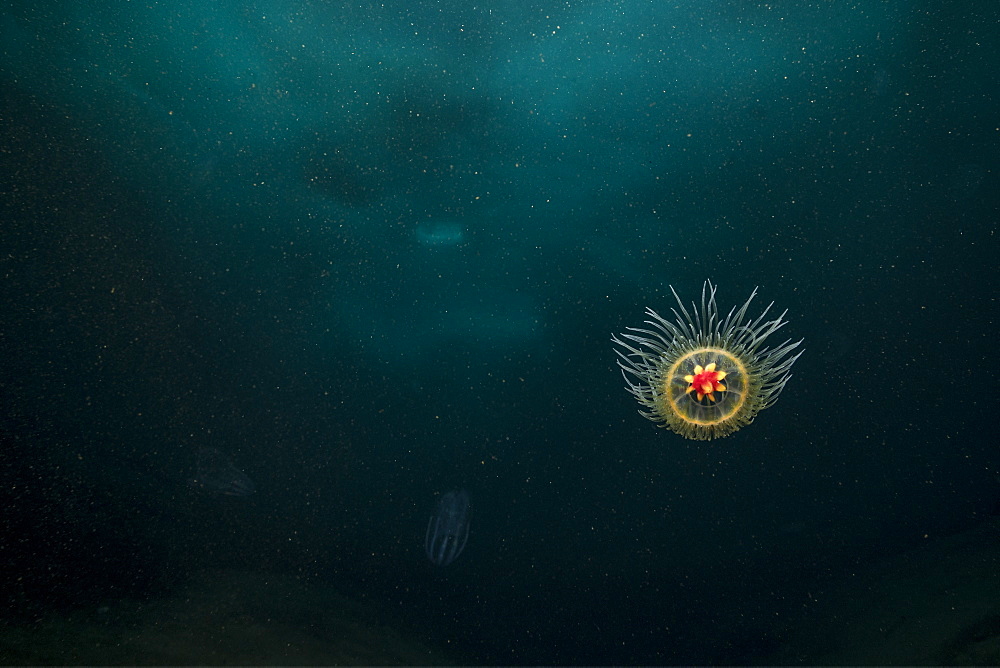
[278,276]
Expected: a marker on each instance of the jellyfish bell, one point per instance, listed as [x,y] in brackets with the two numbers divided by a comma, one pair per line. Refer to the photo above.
[439,233]
[701,375]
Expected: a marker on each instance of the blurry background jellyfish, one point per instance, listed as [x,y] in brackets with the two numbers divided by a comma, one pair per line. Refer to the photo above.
[448,528]
[701,376]
[215,473]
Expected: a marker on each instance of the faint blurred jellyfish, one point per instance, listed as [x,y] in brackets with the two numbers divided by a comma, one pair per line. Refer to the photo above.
[448,528]
[880,82]
[215,473]
[439,233]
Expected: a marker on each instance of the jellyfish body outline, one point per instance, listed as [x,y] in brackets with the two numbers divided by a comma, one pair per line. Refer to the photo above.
[448,528]
[216,474]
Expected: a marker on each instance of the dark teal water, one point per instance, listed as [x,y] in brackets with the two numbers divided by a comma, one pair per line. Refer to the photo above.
[375,253]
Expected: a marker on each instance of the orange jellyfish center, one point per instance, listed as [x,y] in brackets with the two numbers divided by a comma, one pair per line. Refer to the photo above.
[705,381]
